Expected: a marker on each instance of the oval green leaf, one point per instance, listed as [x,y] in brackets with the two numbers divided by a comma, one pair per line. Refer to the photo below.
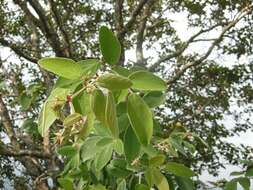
[154,98]
[132,146]
[140,118]
[179,170]
[63,67]
[109,45]
[111,115]
[98,104]
[114,82]
[144,80]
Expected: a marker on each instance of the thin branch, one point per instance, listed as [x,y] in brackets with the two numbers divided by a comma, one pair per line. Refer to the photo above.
[140,34]
[179,73]
[18,50]
[7,124]
[58,21]
[182,49]
[21,153]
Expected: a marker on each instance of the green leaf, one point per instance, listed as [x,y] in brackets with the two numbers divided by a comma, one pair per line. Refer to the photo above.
[154,98]
[89,67]
[249,172]
[144,80]
[98,104]
[67,150]
[236,173]
[132,146]
[118,146]
[103,157]
[111,115]
[244,182]
[114,82]
[72,119]
[25,101]
[109,45]
[185,183]
[122,185]
[117,168]
[179,170]
[67,83]
[160,180]
[122,71]
[63,67]
[89,148]
[141,187]
[48,113]
[66,183]
[232,185]
[157,160]
[140,118]
[82,103]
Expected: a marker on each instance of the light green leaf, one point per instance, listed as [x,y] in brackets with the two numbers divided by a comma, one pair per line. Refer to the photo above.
[67,83]
[48,113]
[132,146]
[144,80]
[82,103]
[89,148]
[154,98]
[157,160]
[114,82]
[63,67]
[72,119]
[122,185]
[103,157]
[89,67]
[111,115]
[98,104]
[66,183]
[160,180]
[67,150]
[118,146]
[140,118]
[109,45]
[141,187]
[179,170]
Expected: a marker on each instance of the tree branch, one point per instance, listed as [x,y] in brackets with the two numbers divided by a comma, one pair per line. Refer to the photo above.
[181,50]
[231,24]
[21,153]
[7,124]
[140,34]
[18,50]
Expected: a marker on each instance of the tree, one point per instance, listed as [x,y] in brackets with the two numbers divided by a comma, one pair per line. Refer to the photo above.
[200,89]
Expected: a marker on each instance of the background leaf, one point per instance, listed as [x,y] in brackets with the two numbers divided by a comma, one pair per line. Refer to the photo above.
[109,45]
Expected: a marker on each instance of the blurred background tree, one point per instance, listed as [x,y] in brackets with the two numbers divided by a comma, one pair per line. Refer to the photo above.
[202,48]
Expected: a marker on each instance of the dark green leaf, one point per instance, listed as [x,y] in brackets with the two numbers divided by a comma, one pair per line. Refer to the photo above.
[185,183]
[244,182]
[249,172]
[111,115]
[109,45]
[67,150]
[179,169]
[141,187]
[232,185]
[140,118]
[154,98]
[132,146]
[98,105]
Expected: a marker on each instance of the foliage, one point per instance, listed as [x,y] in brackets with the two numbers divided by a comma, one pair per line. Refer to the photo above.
[208,90]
